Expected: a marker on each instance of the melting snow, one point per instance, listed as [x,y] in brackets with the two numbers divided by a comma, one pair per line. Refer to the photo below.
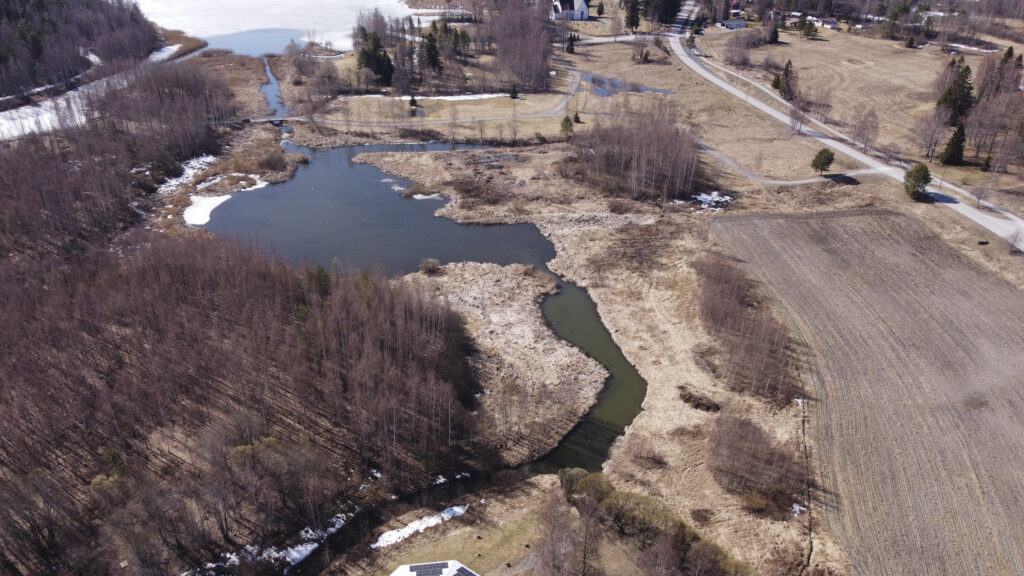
[164,53]
[198,214]
[798,509]
[190,170]
[395,536]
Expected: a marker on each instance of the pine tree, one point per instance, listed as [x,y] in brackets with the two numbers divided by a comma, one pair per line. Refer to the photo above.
[953,154]
[915,183]
[822,161]
[633,14]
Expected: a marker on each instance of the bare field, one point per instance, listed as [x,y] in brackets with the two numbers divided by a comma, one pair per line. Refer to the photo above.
[914,355]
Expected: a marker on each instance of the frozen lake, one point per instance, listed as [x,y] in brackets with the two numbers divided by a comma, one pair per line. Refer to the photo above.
[320,20]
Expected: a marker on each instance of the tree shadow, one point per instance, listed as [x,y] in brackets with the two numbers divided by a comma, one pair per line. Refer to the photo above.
[842,179]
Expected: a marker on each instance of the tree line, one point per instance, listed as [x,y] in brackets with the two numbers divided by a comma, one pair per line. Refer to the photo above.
[642,153]
[987,118]
[44,42]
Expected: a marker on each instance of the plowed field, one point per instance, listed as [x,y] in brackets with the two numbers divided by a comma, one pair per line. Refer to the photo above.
[916,362]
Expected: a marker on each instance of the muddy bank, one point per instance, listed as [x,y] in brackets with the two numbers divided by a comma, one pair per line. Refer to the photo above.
[536,385]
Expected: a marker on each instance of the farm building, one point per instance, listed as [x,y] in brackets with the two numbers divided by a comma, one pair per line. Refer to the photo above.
[570,10]
[449,568]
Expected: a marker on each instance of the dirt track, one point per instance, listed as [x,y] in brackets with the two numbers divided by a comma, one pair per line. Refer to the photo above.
[915,355]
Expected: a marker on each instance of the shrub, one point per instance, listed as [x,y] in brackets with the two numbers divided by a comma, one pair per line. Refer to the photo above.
[753,343]
[430,266]
[595,485]
[274,160]
[640,517]
[698,401]
[569,478]
[745,460]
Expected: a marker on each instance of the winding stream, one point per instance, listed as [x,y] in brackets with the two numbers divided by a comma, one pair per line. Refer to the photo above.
[335,211]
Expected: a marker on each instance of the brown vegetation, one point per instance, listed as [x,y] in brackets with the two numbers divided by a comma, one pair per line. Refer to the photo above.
[642,153]
[746,461]
[754,344]
[229,398]
[62,191]
[42,43]
[670,546]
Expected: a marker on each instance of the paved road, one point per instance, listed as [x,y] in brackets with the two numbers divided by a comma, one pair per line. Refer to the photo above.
[994,219]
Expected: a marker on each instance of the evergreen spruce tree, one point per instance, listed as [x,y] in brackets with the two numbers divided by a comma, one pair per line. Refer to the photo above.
[953,154]
[959,96]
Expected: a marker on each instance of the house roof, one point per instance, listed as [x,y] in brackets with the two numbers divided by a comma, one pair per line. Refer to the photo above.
[447,568]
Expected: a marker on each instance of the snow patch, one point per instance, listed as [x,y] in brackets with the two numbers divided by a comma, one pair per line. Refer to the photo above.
[440,480]
[798,509]
[434,196]
[189,170]
[799,402]
[164,53]
[198,214]
[395,536]
[966,47]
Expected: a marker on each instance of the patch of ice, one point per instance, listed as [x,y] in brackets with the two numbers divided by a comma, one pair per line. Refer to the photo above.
[395,536]
[397,188]
[387,180]
[198,214]
[434,196]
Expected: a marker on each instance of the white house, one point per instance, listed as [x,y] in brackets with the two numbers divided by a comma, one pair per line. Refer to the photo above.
[449,568]
[570,10]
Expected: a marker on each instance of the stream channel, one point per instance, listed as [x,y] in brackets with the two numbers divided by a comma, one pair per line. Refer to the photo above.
[335,210]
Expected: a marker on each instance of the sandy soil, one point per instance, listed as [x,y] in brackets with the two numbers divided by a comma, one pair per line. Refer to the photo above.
[914,352]
[536,385]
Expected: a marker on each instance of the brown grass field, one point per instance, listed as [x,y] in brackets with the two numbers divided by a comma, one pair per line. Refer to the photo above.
[914,355]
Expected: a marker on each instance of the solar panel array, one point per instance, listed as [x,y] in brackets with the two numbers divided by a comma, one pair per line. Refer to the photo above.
[432,569]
